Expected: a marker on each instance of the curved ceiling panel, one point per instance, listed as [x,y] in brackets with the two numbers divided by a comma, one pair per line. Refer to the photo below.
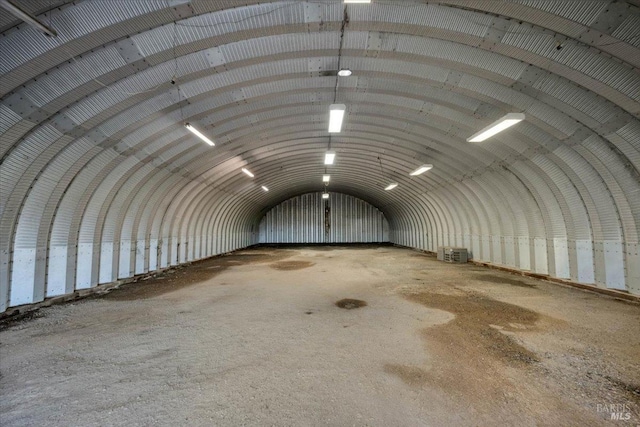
[101,180]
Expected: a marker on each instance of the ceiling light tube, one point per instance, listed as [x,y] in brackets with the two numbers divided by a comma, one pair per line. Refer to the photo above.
[345,72]
[422,169]
[329,157]
[326,178]
[391,186]
[325,195]
[248,172]
[336,115]
[265,188]
[357,1]
[496,127]
[197,133]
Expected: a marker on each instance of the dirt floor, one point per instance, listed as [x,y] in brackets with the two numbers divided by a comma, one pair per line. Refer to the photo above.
[357,336]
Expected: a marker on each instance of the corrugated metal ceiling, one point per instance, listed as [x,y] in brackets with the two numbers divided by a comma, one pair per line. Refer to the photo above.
[107,99]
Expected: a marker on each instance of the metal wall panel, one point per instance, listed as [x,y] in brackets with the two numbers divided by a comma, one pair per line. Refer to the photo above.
[456,52]
[585,263]
[311,219]
[627,140]
[540,256]
[629,30]
[622,184]
[74,74]
[614,264]
[23,276]
[83,267]
[577,97]
[576,56]
[584,11]
[632,263]
[56,285]
[106,262]
[524,253]
[431,15]
[561,258]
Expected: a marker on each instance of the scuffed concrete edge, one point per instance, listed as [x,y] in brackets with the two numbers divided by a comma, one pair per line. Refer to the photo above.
[104,288]
[621,295]
[81,294]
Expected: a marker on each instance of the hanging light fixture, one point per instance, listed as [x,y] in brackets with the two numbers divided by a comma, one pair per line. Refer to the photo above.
[326,178]
[496,127]
[325,195]
[422,169]
[329,157]
[391,186]
[265,188]
[197,133]
[336,115]
[248,172]
[345,72]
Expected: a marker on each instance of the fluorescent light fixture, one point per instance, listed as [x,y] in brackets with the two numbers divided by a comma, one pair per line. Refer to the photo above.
[197,133]
[495,127]
[329,157]
[391,186]
[336,114]
[265,188]
[357,1]
[248,172]
[422,169]
[325,195]
[326,178]
[345,72]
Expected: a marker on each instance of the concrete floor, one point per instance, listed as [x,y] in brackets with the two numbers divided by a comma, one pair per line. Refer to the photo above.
[255,338]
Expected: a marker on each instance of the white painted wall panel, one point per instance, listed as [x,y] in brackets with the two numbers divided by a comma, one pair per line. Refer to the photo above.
[584,253]
[85,261]
[496,250]
[614,264]
[509,250]
[106,263]
[163,254]
[141,250]
[154,251]
[633,267]
[56,275]
[524,253]
[124,267]
[22,278]
[540,254]
[561,254]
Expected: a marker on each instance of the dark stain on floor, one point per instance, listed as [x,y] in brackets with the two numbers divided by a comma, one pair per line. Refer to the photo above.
[478,324]
[350,304]
[503,280]
[291,265]
[632,390]
[184,276]
[411,375]
[20,318]
[472,352]
[422,255]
